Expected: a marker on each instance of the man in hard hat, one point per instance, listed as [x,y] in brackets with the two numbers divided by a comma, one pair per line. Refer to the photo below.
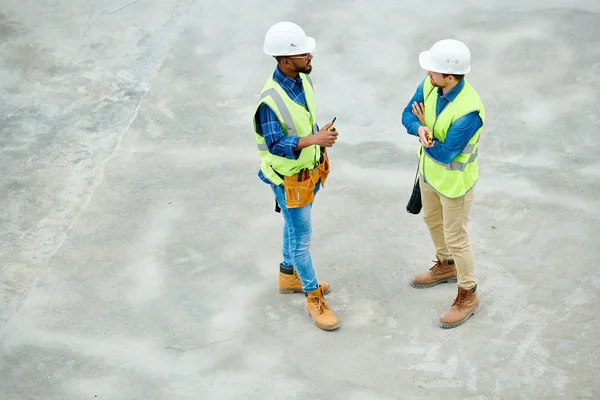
[293,160]
[447,116]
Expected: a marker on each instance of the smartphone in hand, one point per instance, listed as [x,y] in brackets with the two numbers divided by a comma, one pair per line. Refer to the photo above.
[332,128]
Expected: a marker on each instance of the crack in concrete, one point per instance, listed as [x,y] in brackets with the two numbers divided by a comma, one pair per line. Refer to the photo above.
[183,349]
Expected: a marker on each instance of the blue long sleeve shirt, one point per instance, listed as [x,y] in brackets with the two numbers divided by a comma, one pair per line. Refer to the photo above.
[460,132]
[269,126]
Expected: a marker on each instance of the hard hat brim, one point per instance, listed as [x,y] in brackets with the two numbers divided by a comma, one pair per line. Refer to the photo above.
[427,65]
[311,44]
[425,61]
[308,46]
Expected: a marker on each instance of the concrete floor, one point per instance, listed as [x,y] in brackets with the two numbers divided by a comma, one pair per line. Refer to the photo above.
[139,250]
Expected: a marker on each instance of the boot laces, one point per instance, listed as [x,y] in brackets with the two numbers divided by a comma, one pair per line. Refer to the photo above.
[320,304]
[436,267]
[460,299]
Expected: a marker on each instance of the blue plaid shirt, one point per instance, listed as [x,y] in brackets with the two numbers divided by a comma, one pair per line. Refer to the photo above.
[269,126]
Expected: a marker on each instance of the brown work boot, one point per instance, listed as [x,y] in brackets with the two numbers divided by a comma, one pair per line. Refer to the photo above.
[465,305]
[319,311]
[442,271]
[291,283]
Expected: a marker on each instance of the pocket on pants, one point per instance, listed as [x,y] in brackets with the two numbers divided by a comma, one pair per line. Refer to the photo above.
[298,194]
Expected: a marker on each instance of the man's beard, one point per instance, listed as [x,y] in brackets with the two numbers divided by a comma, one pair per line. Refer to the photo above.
[435,84]
[306,70]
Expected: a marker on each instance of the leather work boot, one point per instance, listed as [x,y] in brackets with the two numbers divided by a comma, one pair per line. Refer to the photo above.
[291,283]
[442,271]
[319,311]
[465,305]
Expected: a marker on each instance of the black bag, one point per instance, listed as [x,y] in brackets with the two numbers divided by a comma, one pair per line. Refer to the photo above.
[414,203]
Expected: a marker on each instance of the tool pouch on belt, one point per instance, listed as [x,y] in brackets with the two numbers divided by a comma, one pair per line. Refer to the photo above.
[300,188]
[324,166]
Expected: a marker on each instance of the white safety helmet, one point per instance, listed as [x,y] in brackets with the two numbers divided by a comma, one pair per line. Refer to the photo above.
[447,56]
[287,39]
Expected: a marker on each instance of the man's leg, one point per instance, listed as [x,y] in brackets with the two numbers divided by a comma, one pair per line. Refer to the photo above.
[443,270]
[434,218]
[456,218]
[299,225]
[289,281]
[287,259]
[299,231]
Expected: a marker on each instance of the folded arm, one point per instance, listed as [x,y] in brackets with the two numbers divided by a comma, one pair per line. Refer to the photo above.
[457,137]
[409,120]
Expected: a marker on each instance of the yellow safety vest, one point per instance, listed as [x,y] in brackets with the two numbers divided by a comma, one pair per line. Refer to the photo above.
[296,121]
[454,179]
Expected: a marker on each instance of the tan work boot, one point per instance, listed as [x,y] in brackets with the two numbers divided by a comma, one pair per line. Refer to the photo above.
[442,271]
[319,311]
[291,283]
[465,305]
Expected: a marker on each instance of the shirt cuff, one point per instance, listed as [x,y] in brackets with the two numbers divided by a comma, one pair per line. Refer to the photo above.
[290,151]
[414,128]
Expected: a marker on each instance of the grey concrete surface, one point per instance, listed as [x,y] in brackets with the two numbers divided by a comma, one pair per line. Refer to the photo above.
[139,250]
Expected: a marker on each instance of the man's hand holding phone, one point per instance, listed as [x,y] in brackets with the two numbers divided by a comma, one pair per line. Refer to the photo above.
[425,136]
[327,136]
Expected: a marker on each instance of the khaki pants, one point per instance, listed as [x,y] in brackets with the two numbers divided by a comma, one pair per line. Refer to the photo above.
[447,222]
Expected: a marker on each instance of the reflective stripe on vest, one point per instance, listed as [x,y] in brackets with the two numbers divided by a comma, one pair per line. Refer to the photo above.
[309,80]
[311,86]
[285,113]
[456,165]
[468,148]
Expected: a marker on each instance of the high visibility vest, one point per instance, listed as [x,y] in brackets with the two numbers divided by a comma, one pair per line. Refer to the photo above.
[454,179]
[296,121]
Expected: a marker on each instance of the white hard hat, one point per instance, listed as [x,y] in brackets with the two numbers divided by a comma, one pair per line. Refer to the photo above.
[287,39]
[447,56]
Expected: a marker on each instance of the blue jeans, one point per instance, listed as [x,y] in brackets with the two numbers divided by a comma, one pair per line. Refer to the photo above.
[297,231]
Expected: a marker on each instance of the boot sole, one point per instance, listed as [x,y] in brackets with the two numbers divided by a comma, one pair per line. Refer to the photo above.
[459,323]
[428,285]
[325,328]
[290,291]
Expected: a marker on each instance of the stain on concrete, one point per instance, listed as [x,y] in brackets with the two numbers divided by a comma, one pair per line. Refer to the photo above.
[8,28]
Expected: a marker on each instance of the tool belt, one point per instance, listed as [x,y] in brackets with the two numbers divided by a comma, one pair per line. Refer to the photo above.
[300,188]
[324,166]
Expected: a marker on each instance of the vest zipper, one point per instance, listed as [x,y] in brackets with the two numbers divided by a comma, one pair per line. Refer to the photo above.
[312,122]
